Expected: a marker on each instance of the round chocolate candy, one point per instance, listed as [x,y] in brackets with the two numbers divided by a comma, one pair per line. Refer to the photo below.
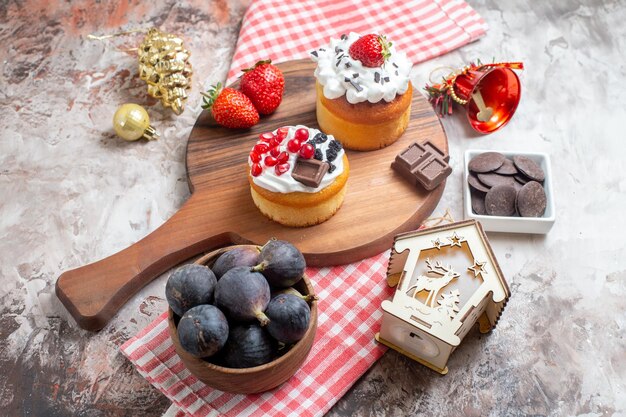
[521,178]
[492,179]
[500,200]
[507,168]
[475,183]
[486,162]
[478,202]
[531,200]
[529,168]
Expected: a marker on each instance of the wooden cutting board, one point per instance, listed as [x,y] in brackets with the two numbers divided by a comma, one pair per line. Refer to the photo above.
[379,204]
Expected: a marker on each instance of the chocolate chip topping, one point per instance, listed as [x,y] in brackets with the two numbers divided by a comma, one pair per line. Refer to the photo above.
[529,168]
[486,162]
[531,200]
[500,200]
[356,85]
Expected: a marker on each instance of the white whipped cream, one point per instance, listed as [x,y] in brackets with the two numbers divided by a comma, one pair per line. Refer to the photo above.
[285,183]
[336,72]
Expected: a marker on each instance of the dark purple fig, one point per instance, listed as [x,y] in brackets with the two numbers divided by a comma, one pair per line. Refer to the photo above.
[289,318]
[203,330]
[245,256]
[291,290]
[281,263]
[242,295]
[189,286]
[248,345]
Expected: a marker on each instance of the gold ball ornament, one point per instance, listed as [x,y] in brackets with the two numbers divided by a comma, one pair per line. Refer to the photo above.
[164,65]
[131,122]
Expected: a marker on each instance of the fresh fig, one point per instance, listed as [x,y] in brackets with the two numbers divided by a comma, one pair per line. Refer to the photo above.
[203,330]
[248,345]
[281,263]
[243,256]
[189,286]
[291,290]
[243,295]
[289,318]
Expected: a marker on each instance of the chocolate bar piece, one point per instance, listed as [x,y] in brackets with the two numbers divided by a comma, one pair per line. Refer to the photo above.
[432,172]
[411,157]
[309,171]
[429,146]
[423,164]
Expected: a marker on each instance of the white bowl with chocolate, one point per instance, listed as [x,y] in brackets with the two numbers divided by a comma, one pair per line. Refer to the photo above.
[509,191]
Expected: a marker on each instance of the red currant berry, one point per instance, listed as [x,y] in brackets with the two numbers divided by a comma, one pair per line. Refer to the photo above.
[293,145]
[256,170]
[281,169]
[307,151]
[270,161]
[302,134]
[261,148]
[266,137]
[255,157]
[275,151]
[282,133]
[282,157]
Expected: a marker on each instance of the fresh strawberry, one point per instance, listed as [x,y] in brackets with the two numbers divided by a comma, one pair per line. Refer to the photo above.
[263,84]
[372,50]
[230,108]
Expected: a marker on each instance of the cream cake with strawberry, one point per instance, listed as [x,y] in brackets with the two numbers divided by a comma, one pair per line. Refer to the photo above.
[363,91]
[298,175]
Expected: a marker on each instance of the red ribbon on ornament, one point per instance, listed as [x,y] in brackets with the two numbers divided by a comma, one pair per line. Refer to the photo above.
[442,95]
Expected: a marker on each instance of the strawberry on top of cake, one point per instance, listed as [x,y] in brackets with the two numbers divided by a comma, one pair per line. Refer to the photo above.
[363,68]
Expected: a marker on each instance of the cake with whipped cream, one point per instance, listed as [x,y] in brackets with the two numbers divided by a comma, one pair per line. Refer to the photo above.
[298,175]
[364,92]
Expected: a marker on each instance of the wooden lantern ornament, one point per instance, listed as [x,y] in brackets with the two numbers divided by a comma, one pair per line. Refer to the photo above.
[447,280]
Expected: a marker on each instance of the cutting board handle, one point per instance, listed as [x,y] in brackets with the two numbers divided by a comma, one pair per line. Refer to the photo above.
[94,293]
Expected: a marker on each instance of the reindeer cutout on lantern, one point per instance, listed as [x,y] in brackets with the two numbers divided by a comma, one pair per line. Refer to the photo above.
[434,306]
[431,284]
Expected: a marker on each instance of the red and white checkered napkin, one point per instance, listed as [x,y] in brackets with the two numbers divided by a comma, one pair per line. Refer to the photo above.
[285,30]
[350,295]
[344,348]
